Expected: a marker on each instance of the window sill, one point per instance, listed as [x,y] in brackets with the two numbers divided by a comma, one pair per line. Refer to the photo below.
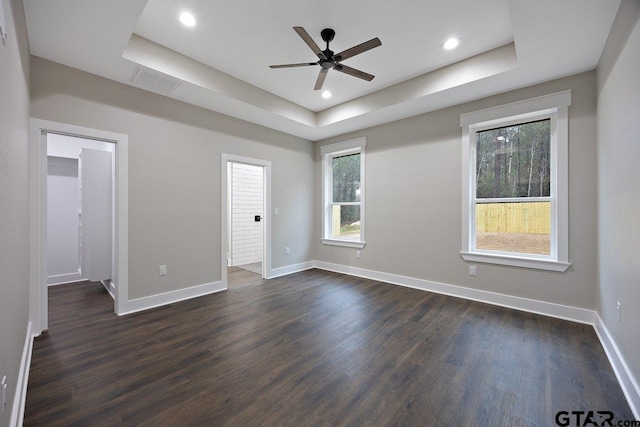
[515,261]
[345,243]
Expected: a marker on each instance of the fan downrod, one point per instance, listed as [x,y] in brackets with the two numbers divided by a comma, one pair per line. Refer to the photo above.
[327,35]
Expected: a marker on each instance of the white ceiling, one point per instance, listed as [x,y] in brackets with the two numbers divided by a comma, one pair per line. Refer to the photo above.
[223,62]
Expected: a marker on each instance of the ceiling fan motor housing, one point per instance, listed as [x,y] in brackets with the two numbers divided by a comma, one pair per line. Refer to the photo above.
[326,63]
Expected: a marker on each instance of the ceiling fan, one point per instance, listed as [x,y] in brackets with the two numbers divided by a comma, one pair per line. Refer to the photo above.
[327,59]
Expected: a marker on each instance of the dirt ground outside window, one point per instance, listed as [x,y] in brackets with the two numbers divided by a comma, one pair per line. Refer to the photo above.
[539,244]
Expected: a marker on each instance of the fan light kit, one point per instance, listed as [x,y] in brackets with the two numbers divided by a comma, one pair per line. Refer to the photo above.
[327,59]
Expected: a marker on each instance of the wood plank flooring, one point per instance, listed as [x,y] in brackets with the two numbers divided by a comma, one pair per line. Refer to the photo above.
[313,348]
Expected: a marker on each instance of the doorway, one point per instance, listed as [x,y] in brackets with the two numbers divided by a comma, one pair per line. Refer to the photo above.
[80,210]
[246,222]
[40,132]
[246,213]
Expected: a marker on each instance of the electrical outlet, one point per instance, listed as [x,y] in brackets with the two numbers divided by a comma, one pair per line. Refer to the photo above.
[619,307]
[358,254]
[286,250]
[275,212]
[163,270]
[473,271]
[3,392]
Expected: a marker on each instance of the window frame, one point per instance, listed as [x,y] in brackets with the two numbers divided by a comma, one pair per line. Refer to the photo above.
[328,153]
[554,107]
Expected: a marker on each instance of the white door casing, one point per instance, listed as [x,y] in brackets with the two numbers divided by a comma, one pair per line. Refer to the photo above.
[224,223]
[38,292]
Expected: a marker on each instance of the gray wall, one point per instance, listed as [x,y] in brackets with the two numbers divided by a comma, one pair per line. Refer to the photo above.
[618,188]
[175,174]
[414,196]
[14,197]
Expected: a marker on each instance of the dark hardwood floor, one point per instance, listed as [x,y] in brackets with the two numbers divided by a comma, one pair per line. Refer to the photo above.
[313,348]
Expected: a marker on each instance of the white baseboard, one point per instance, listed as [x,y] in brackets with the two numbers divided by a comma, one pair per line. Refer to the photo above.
[153,301]
[61,279]
[290,269]
[628,383]
[158,300]
[559,311]
[20,397]
[110,288]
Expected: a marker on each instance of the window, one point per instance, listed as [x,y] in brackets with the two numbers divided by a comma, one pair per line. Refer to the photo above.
[515,168]
[343,193]
[512,188]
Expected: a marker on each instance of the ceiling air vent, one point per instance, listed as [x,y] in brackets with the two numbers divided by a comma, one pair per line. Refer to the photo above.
[154,82]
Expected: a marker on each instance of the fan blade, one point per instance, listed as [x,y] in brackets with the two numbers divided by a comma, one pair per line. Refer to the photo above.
[309,41]
[321,77]
[353,72]
[303,64]
[356,50]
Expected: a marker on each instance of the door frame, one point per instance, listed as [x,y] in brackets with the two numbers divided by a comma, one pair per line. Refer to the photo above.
[224,222]
[38,287]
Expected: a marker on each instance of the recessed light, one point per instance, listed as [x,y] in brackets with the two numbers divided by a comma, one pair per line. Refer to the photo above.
[326,94]
[452,43]
[187,19]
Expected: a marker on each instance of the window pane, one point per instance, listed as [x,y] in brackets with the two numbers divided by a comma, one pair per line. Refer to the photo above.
[514,161]
[345,221]
[514,227]
[346,178]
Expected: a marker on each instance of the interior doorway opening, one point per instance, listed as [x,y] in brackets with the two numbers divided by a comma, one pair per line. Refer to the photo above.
[246,219]
[246,216]
[80,210]
[118,264]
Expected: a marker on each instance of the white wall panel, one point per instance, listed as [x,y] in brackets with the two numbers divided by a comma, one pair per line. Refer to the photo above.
[62,220]
[95,218]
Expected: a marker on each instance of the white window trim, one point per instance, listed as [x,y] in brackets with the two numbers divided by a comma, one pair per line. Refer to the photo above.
[327,152]
[555,106]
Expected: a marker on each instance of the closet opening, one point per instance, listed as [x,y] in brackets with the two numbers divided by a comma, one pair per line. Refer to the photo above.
[80,211]
[78,178]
